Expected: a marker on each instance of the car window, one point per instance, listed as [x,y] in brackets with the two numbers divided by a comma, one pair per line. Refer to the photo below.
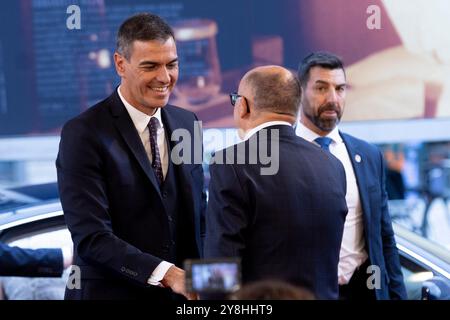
[44,239]
[414,275]
[425,265]
[429,220]
[37,288]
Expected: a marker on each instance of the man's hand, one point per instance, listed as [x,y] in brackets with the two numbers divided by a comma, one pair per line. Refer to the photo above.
[175,280]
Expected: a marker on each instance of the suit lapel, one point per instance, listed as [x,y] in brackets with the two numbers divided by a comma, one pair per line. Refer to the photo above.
[358,162]
[183,171]
[171,124]
[126,128]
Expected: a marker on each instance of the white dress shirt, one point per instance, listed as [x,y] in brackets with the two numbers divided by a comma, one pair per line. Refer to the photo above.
[140,121]
[353,252]
[265,125]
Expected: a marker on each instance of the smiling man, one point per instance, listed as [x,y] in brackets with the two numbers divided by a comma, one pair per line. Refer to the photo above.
[134,215]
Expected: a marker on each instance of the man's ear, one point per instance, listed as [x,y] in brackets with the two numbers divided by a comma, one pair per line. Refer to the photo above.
[243,108]
[119,62]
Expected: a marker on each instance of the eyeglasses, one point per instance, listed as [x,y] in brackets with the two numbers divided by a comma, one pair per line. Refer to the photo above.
[234,97]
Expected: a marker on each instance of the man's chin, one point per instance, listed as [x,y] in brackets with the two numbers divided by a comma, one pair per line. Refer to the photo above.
[158,103]
[327,126]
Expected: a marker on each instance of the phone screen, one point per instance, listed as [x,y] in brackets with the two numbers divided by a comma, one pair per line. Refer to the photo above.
[218,275]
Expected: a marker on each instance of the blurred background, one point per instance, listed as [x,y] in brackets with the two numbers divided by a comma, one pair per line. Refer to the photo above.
[398,75]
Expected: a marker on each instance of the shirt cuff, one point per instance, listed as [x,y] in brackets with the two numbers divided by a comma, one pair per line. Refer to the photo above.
[159,273]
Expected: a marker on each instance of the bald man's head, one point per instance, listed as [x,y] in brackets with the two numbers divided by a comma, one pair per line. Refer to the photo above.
[274,89]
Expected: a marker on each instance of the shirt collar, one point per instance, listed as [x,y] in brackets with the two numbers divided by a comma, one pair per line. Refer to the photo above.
[310,135]
[139,118]
[265,125]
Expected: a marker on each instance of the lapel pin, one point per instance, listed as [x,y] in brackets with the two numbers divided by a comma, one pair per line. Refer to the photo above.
[358,158]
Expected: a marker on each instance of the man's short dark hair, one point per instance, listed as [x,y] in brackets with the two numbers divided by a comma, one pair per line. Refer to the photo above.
[142,27]
[272,290]
[275,92]
[321,59]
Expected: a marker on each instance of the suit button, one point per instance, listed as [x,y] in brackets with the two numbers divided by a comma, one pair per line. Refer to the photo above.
[164,194]
[170,218]
[172,242]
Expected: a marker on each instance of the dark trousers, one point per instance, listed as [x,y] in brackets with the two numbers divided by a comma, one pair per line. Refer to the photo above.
[357,288]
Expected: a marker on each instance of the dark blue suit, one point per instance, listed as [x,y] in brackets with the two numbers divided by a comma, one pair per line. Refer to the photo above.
[286,226]
[378,233]
[123,224]
[18,262]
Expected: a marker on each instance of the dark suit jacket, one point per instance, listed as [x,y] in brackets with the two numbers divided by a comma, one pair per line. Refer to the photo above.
[378,233]
[113,205]
[18,262]
[286,226]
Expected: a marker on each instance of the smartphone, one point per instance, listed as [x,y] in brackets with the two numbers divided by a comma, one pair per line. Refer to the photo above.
[221,275]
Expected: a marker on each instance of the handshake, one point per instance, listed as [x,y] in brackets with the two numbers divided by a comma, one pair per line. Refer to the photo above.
[175,279]
[218,277]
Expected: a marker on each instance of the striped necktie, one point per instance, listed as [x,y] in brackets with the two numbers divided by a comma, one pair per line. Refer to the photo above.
[156,158]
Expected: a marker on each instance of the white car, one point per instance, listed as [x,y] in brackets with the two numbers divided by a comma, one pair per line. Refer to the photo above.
[36,220]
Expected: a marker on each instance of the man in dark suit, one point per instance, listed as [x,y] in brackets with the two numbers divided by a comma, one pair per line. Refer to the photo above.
[20,262]
[369,265]
[282,214]
[134,211]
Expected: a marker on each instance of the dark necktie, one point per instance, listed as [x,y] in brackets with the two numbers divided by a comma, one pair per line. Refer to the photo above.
[324,143]
[156,159]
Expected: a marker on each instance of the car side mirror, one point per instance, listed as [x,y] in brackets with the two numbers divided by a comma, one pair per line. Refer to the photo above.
[437,288]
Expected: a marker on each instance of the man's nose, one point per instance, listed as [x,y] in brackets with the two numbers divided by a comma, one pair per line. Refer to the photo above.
[163,75]
[332,95]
